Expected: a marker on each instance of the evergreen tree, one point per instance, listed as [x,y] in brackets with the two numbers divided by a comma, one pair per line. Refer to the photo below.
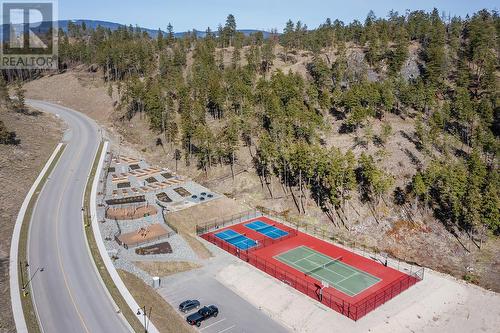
[288,37]
[170,34]
[399,54]
[435,57]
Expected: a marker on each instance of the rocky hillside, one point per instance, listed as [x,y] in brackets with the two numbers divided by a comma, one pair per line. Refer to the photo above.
[383,133]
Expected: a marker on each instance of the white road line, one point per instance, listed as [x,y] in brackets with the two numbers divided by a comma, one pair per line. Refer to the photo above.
[212,324]
[227,329]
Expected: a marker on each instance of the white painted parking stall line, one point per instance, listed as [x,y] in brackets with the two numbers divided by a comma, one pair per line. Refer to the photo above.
[212,324]
[227,329]
[179,299]
[174,292]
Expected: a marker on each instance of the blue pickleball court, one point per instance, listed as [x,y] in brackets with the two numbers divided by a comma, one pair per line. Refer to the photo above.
[266,229]
[240,241]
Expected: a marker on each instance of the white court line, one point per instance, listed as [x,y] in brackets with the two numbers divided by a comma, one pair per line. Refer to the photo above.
[328,269]
[212,324]
[345,290]
[354,269]
[335,285]
[227,329]
[345,278]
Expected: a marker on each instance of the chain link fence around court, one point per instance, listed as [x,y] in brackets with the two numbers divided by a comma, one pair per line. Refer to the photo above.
[401,265]
[351,310]
[222,222]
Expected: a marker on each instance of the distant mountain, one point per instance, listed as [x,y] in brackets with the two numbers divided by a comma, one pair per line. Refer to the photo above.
[93,24]
[63,24]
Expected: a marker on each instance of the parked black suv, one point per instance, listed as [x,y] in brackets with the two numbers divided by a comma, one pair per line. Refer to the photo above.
[202,314]
[189,305]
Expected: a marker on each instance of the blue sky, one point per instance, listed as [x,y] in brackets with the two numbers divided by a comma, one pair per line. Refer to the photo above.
[250,14]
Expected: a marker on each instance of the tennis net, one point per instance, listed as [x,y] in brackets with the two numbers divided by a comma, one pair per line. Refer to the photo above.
[264,228]
[323,266]
[235,239]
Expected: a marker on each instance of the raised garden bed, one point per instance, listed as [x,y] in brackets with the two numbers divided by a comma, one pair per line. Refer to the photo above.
[111,169]
[127,200]
[151,180]
[134,166]
[182,192]
[123,185]
[130,213]
[167,175]
[160,248]
[163,197]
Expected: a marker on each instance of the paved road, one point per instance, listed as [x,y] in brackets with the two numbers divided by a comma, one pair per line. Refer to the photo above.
[68,294]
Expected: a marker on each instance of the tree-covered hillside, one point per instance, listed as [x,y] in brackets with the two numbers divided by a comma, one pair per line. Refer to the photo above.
[208,105]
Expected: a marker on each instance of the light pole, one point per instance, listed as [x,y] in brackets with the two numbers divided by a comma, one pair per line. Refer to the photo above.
[147,318]
[25,285]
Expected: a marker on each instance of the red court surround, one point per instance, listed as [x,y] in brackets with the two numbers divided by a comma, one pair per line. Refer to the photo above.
[392,282]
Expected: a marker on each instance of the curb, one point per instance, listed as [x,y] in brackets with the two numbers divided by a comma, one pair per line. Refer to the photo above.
[15,295]
[102,249]
[105,288]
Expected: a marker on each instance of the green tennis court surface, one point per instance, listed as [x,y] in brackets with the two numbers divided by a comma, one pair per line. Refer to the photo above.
[333,271]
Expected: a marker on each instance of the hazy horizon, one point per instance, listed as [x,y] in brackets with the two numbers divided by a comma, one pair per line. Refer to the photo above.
[258,14]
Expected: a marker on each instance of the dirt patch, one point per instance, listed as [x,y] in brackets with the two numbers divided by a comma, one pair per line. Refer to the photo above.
[123,185]
[77,89]
[159,268]
[201,251]
[151,180]
[160,248]
[163,197]
[401,228]
[187,219]
[130,213]
[143,235]
[127,200]
[182,192]
[163,315]
[19,167]
[167,175]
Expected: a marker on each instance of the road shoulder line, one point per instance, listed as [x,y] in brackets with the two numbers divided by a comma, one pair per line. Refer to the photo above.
[15,295]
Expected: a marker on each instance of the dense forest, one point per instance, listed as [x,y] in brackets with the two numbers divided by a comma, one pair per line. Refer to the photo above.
[208,106]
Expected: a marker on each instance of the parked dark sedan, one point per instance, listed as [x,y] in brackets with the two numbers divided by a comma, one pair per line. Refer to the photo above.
[189,305]
[203,314]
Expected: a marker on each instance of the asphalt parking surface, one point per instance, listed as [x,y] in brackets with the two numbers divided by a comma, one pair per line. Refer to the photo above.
[235,313]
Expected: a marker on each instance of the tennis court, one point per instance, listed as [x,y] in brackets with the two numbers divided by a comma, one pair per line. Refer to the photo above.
[240,241]
[266,229]
[332,272]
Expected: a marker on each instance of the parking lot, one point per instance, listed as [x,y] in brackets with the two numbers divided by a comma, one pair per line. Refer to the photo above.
[215,325]
[235,313]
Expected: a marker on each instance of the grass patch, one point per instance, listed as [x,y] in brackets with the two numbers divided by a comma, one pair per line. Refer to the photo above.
[26,301]
[471,278]
[165,268]
[201,251]
[164,316]
[108,281]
